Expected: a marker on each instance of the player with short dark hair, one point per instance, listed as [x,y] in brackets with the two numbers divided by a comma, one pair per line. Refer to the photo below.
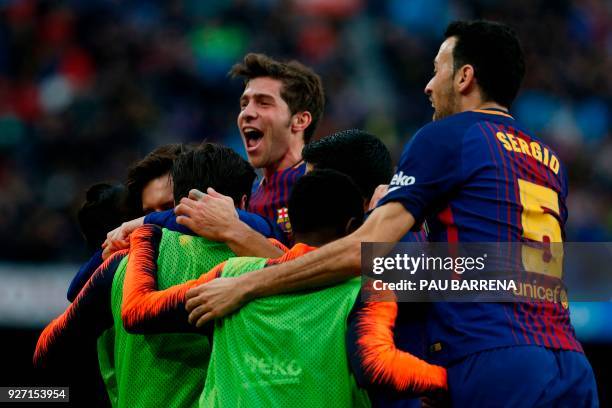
[148,188]
[105,207]
[354,152]
[148,181]
[474,175]
[324,219]
[200,167]
[301,335]
[130,364]
[361,156]
[341,215]
[494,53]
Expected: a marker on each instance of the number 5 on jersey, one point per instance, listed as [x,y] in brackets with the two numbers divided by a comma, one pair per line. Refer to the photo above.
[540,221]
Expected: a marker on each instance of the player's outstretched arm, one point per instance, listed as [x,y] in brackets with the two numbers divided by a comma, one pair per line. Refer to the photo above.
[329,264]
[213,216]
[86,318]
[145,309]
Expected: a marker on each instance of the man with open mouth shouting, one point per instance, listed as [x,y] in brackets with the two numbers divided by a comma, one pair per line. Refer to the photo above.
[279,111]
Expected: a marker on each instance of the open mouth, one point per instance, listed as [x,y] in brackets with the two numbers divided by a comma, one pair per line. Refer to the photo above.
[253,138]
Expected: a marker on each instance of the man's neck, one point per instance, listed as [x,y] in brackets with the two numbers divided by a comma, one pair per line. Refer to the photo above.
[491,105]
[477,104]
[290,159]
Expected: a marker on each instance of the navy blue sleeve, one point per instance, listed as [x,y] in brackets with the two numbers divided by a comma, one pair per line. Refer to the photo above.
[167,219]
[161,218]
[428,172]
[263,225]
[84,320]
[83,275]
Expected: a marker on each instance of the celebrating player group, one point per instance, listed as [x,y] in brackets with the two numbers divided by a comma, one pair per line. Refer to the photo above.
[211,287]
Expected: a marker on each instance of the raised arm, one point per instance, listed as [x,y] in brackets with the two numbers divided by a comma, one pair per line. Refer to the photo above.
[330,264]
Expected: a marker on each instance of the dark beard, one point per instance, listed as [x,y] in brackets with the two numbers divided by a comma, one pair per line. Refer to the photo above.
[449,107]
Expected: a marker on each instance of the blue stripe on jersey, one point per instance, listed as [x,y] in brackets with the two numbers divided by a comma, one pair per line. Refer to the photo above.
[273,194]
[466,169]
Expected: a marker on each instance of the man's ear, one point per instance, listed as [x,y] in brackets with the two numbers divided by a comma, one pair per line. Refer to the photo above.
[300,121]
[243,202]
[352,225]
[464,78]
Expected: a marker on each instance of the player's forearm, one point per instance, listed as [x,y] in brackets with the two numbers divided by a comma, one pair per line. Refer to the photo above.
[333,263]
[376,360]
[244,241]
[158,312]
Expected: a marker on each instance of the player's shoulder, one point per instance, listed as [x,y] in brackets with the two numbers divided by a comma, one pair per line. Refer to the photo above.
[451,126]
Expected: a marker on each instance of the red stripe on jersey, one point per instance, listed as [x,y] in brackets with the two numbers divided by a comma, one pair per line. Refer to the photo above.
[488,139]
[446,217]
[501,154]
[551,331]
[529,310]
[515,307]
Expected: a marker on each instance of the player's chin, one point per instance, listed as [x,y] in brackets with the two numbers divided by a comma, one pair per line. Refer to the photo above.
[256,160]
[437,115]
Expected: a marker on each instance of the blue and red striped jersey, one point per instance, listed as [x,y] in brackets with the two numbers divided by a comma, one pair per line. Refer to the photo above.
[479,176]
[271,195]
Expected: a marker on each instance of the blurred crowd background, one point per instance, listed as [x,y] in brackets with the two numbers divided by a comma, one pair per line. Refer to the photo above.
[88,86]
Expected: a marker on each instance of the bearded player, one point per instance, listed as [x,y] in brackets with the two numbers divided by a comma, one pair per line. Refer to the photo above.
[475,175]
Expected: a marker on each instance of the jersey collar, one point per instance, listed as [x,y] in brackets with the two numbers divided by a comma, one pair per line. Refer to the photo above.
[494,111]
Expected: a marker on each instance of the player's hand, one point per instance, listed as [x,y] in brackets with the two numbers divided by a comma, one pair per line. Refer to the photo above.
[214,300]
[210,215]
[119,237]
[108,251]
[379,193]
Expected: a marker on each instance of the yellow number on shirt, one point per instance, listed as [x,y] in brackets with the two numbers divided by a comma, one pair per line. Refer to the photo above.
[540,224]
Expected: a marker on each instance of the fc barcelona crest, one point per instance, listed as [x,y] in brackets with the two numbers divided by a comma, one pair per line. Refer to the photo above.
[283,219]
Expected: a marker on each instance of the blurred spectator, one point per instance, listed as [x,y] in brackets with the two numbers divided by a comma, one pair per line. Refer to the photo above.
[86,87]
